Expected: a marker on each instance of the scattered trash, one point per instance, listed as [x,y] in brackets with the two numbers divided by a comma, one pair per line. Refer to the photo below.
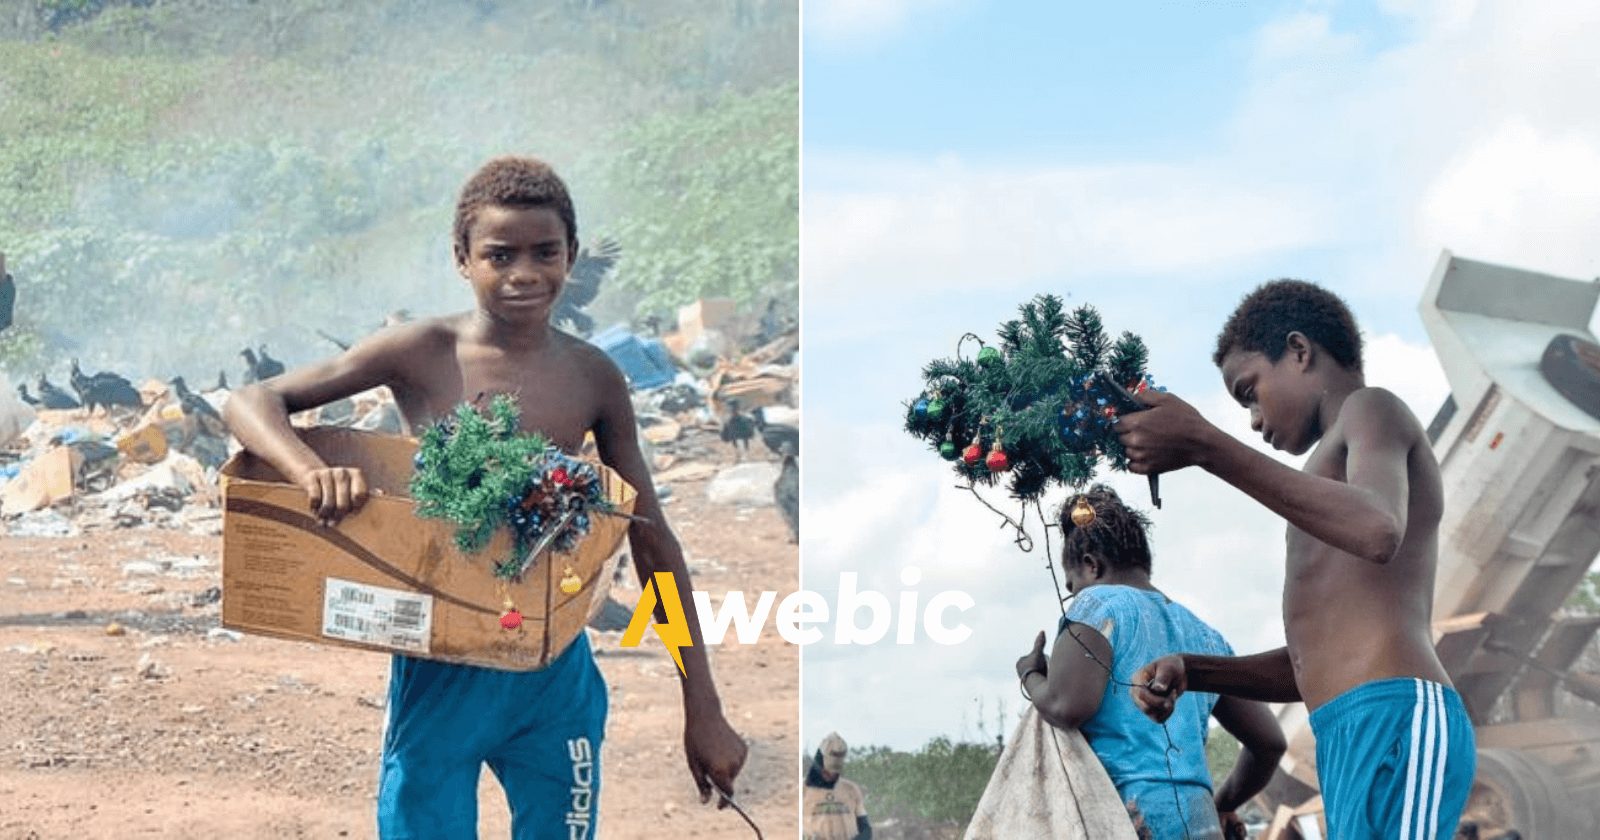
[142,567]
[645,362]
[46,480]
[43,523]
[149,669]
[744,485]
[218,634]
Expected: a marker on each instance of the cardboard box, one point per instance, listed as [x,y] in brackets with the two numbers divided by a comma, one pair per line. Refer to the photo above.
[704,314]
[47,479]
[146,444]
[385,579]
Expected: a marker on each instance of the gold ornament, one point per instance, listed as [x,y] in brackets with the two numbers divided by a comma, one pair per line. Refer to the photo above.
[571,584]
[1082,513]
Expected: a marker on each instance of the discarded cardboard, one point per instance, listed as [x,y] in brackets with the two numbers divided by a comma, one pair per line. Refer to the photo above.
[385,579]
[704,314]
[46,480]
[146,444]
[659,430]
[749,385]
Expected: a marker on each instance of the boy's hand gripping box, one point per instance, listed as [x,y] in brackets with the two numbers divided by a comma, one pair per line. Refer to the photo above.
[386,579]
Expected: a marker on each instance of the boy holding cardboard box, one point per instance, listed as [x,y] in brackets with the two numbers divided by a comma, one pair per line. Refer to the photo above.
[539,731]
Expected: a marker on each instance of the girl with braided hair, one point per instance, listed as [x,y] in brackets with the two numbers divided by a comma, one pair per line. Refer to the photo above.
[1115,622]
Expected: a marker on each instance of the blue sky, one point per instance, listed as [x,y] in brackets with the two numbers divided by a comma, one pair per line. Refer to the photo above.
[1158,160]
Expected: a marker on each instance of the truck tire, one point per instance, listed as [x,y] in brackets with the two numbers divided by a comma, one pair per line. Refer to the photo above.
[1514,790]
[1572,366]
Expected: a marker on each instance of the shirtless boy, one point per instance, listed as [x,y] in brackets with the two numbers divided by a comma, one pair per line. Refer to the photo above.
[515,241]
[1395,750]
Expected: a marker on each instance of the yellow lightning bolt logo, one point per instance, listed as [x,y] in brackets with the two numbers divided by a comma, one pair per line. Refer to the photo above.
[674,632]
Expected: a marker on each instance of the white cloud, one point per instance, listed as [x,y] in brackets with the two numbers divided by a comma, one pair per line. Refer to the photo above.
[856,21]
[945,225]
[1411,371]
[1301,36]
[1520,196]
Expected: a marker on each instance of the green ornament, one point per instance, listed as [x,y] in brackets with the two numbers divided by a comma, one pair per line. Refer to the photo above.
[988,356]
[935,409]
[947,450]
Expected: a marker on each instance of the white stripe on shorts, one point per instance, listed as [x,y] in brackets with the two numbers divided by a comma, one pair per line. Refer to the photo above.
[1411,765]
[1444,752]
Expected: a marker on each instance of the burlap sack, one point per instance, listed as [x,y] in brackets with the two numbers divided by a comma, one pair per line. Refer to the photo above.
[1049,785]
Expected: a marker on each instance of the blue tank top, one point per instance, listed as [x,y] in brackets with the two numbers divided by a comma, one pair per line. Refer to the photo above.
[1142,625]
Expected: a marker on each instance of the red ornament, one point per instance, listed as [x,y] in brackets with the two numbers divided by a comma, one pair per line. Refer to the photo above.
[971,455]
[998,462]
[511,620]
[560,477]
[1110,412]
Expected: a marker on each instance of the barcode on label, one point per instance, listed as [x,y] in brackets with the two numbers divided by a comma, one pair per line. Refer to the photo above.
[350,594]
[350,622]
[407,614]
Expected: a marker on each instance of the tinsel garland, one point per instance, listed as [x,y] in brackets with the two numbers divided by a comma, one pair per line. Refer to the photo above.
[477,470]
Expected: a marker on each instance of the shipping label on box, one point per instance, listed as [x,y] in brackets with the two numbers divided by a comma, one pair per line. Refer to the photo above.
[376,615]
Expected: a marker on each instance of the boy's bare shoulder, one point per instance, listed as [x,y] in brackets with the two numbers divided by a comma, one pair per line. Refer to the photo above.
[424,333]
[592,362]
[1378,411]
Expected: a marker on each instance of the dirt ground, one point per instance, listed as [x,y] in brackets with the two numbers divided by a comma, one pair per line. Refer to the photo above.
[126,712]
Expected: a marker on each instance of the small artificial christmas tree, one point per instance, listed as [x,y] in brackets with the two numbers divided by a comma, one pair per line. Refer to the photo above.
[1039,408]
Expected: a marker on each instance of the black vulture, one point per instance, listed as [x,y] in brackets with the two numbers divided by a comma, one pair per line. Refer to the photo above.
[268,367]
[776,435]
[593,265]
[52,397]
[786,492]
[738,429]
[104,389]
[250,364]
[8,299]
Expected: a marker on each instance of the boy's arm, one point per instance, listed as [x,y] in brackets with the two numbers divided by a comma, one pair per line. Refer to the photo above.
[258,415]
[1067,691]
[714,751]
[1261,745]
[1365,515]
[1267,677]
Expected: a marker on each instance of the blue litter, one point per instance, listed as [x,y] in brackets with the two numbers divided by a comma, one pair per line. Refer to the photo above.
[645,363]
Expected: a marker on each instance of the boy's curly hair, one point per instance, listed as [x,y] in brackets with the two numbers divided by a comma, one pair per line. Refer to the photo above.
[1118,535]
[1278,307]
[514,182]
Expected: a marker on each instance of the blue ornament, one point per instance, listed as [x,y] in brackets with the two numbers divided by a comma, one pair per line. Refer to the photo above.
[921,408]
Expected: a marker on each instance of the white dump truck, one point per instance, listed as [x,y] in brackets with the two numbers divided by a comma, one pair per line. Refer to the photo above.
[1518,443]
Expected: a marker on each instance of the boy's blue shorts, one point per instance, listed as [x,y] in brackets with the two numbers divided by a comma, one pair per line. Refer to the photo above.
[1395,759]
[539,731]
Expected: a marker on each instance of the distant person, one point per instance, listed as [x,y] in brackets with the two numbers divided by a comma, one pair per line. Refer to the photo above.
[1395,747]
[835,807]
[8,296]
[1117,622]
